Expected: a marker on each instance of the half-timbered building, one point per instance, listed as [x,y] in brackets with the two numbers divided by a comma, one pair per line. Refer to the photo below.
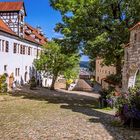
[20,43]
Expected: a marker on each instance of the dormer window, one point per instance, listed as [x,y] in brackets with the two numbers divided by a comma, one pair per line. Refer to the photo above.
[32,35]
[37,39]
[28,31]
[21,29]
[25,27]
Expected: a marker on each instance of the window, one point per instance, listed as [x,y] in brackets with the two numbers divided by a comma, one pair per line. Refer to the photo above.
[26,68]
[17,72]
[7,47]
[29,51]
[98,79]
[21,49]
[3,45]
[5,67]
[15,48]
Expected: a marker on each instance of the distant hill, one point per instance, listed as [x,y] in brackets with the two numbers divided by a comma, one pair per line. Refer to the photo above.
[84,64]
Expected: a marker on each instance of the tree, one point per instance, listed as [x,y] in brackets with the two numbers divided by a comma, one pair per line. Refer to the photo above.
[3,84]
[70,75]
[100,26]
[55,62]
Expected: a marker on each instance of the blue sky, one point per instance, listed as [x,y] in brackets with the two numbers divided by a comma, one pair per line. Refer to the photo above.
[40,13]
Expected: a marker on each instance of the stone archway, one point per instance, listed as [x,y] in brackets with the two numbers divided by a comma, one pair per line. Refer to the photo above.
[133,70]
[137,79]
[134,79]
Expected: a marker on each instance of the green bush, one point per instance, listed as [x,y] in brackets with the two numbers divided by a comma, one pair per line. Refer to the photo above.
[115,78]
[128,107]
[33,83]
[106,99]
[3,84]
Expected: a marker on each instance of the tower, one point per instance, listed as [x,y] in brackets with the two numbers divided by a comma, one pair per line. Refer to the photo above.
[13,14]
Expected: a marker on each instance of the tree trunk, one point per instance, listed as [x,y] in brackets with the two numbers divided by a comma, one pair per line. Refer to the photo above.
[67,86]
[53,82]
[119,67]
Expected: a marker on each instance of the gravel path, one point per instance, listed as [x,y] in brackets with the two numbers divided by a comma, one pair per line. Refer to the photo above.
[45,115]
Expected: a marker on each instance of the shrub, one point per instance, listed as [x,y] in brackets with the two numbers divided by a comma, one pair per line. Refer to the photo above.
[115,78]
[3,84]
[106,99]
[128,107]
[33,83]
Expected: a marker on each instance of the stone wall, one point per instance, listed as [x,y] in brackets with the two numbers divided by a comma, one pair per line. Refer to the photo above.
[131,59]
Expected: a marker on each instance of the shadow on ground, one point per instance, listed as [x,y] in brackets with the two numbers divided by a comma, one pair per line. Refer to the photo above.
[81,104]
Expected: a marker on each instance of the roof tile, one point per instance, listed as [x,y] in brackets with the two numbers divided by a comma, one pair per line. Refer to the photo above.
[11,6]
[5,28]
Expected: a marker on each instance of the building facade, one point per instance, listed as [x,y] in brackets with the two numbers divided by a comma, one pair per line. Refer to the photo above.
[103,71]
[131,68]
[20,43]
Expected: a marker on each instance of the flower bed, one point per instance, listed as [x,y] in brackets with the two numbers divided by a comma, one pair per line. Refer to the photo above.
[126,104]
[128,107]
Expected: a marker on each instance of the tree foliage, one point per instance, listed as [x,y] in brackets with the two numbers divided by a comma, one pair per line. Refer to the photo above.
[101,26]
[3,84]
[55,62]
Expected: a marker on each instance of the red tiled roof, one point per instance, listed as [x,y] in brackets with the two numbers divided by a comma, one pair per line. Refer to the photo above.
[34,31]
[29,38]
[138,24]
[11,6]
[5,28]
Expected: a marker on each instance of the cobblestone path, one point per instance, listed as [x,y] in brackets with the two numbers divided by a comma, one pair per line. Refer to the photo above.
[47,115]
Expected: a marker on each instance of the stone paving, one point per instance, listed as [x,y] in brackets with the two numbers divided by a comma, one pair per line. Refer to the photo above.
[57,115]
